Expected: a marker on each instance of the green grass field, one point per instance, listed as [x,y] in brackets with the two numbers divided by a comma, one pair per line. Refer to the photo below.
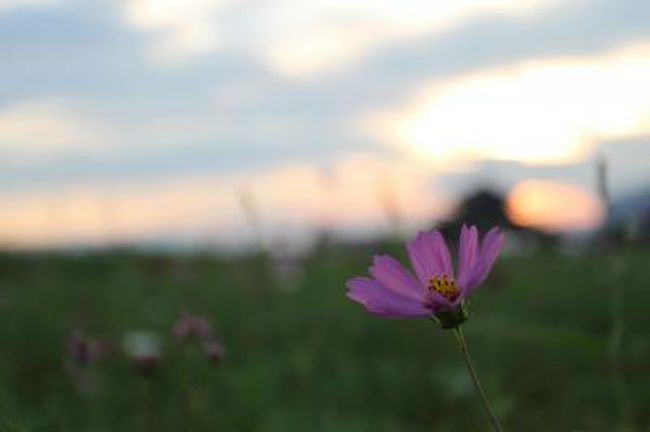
[562,343]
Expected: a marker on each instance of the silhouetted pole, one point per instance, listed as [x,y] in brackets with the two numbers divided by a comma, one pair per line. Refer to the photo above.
[601,180]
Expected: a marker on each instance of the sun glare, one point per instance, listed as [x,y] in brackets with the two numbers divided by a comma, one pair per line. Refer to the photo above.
[554,206]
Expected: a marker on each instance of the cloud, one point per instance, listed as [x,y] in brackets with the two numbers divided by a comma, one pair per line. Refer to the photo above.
[301,39]
[181,29]
[545,110]
[42,129]
[7,5]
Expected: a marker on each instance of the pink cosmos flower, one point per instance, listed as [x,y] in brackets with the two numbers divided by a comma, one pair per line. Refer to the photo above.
[435,290]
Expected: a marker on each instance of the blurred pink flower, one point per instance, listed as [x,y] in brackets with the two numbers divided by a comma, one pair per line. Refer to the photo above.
[189,326]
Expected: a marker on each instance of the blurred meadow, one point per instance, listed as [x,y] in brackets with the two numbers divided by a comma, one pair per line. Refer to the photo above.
[561,344]
[186,187]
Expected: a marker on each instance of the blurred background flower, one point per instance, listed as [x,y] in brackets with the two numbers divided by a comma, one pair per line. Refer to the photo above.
[189,326]
[83,350]
[143,348]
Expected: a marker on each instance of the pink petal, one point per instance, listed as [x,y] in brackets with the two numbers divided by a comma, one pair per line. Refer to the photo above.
[429,256]
[490,249]
[467,253]
[381,301]
[392,275]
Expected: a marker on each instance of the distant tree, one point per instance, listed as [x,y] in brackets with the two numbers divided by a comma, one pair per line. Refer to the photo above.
[485,209]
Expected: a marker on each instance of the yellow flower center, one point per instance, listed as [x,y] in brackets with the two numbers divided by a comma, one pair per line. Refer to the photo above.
[444,285]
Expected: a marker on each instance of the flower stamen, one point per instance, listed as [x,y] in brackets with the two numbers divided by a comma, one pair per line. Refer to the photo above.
[444,285]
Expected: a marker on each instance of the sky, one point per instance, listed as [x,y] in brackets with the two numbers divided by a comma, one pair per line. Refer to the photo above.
[232,121]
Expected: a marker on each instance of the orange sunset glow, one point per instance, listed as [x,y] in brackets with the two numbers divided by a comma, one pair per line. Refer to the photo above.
[554,206]
[354,194]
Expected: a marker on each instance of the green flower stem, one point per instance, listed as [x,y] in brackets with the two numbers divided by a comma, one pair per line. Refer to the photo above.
[470,367]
